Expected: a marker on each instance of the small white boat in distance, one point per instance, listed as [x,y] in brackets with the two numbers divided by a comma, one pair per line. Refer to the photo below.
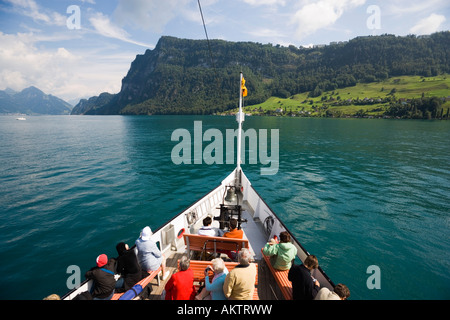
[21,118]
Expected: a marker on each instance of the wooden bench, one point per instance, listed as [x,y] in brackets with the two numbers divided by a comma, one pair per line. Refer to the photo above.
[281,277]
[198,267]
[197,242]
[144,282]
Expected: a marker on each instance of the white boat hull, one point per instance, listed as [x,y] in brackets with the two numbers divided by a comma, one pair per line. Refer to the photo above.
[257,229]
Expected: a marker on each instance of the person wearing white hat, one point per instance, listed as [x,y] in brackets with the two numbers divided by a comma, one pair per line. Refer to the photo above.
[149,256]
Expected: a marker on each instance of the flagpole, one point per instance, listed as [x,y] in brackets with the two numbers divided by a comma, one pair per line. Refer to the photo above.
[239,120]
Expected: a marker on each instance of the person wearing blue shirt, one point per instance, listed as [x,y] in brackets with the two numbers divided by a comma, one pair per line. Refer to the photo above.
[214,290]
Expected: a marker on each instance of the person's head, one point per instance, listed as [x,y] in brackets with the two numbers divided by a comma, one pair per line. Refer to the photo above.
[244,256]
[121,247]
[233,224]
[207,221]
[285,237]
[146,233]
[342,291]
[311,262]
[218,265]
[102,260]
[184,263]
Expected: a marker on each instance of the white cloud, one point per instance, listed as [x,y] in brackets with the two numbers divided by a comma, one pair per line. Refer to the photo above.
[428,25]
[22,64]
[148,14]
[103,25]
[265,2]
[63,73]
[30,9]
[321,14]
[405,7]
[264,33]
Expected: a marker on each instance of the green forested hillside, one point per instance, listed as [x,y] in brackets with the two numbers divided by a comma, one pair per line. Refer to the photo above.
[179,76]
[405,97]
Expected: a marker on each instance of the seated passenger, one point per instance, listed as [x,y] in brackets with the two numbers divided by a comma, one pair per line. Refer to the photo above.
[181,284]
[103,276]
[206,229]
[128,267]
[240,282]
[149,256]
[214,290]
[340,292]
[283,253]
[304,286]
[234,231]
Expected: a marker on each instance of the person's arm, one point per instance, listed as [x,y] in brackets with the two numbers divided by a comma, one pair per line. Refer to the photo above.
[228,285]
[169,288]
[214,286]
[314,287]
[89,274]
[120,266]
[270,249]
[291,272]
[155,251]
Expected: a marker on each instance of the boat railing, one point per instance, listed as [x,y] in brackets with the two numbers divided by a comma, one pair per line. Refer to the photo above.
[185,220]
[274,226]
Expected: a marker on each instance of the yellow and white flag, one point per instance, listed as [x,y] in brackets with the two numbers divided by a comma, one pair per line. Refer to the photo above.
[243,88]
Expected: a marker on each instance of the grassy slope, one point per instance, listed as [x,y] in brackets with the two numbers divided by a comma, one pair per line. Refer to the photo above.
[406,87]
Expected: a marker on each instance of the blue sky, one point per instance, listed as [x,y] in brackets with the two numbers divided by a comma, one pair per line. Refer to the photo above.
[46,43]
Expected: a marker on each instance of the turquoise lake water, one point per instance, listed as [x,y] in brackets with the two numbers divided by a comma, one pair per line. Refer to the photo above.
[355,192]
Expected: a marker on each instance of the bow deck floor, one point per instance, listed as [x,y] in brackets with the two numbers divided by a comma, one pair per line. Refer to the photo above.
[267,286]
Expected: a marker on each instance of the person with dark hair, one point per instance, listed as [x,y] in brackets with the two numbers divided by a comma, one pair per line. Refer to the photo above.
[234,232]
[181,284]
[340,292]
[206,229]
[103,276]
[282,253]
[304,286]
[128,267]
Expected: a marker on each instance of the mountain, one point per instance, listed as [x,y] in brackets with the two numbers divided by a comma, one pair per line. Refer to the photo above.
[179,76]
[32,101]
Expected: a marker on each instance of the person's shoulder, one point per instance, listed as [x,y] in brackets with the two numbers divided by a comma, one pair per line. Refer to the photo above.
[326,294]
[297,269]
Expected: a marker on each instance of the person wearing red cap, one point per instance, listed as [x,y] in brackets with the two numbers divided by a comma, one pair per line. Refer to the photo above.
[103,276]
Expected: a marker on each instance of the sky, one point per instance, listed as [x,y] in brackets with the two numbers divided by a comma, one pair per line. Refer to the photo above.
[76,49]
